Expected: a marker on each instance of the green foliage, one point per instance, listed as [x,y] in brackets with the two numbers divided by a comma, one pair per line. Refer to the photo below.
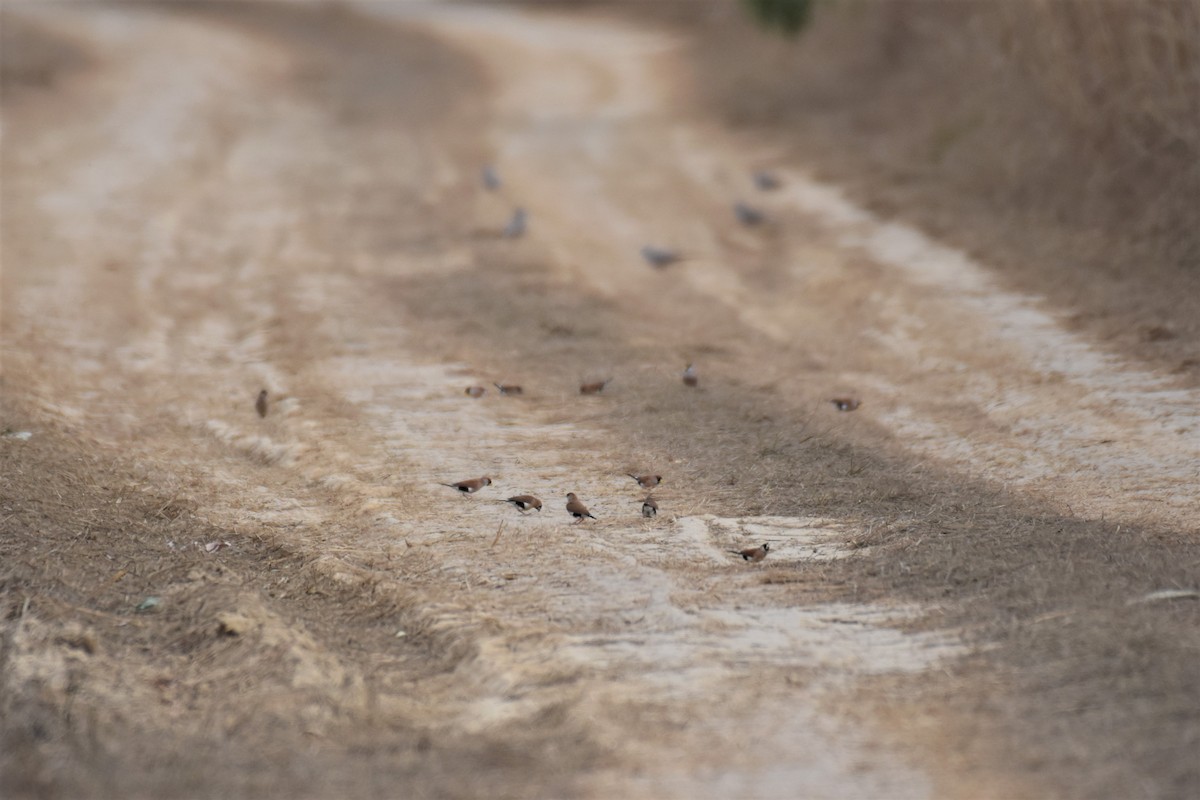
[787,16]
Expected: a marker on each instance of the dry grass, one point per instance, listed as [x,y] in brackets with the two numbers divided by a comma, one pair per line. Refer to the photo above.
[1058,139]
[1127,75]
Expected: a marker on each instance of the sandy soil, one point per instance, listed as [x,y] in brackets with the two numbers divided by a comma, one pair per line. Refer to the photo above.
[201,203]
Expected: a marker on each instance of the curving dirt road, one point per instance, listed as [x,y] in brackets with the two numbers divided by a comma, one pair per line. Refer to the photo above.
[584,124]
[223,199]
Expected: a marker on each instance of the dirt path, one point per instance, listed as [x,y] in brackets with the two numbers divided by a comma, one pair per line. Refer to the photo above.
[958,370]
[233,199]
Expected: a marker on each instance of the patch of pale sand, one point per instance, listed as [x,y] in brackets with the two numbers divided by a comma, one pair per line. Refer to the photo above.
[810,538]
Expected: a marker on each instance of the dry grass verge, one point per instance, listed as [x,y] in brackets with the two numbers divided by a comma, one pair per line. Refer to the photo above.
[1057,140]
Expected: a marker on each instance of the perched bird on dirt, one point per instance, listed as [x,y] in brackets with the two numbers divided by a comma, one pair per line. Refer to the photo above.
[509,389]
[649,507]
[754,554]
[470,486]
[690,378]
[490,178]
[577,509]
[525,502]
[660,256]
[748,215]
[476,391]
[846,403]
[646,481]
[515,228]
[594,387]
[260,405]
[766,181]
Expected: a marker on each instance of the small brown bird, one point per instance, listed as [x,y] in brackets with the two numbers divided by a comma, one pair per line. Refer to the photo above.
[524,502]
[577,509]
[846,403]
[595,387]
[476,391]
[260,405]
[471,486]
[690,378]
[646,481]
[509,389]
[754,554]
[649,507]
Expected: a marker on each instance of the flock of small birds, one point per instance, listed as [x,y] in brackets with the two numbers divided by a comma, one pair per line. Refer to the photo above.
[656,256]
[659,258]
[575,507]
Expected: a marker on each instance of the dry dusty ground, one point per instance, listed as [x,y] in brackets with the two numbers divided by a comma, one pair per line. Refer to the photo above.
[203,201]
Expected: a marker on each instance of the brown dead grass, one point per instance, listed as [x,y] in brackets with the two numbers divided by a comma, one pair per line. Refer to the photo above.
[1058,140]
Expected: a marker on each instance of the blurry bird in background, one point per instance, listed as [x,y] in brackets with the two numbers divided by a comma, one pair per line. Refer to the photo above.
[748,215]
[515,228]
[260,405]
[766,181]
[490,178]
[660,256]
